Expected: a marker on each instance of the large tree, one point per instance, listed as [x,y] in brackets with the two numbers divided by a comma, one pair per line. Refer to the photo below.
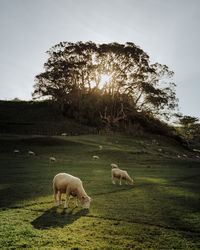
[75,71]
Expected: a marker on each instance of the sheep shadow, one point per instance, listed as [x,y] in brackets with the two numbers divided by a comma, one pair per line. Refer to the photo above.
[54,218]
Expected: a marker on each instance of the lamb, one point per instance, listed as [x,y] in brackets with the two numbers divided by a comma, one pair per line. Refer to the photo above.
[121,174]
[71,185]
[113,165]
[31,153]
[95,157]
[52,159]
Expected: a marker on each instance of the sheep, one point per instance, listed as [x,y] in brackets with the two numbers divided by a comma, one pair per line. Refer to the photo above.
[113,165]
[16,151]
[95,157]
[71,185]
[52,159]
[64,134]
[196,150]
[121,174]
[31,153]
[100,147]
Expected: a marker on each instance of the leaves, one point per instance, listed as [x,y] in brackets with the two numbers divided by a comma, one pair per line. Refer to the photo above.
[74,71]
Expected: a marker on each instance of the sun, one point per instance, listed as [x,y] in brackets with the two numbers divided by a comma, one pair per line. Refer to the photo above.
[105,78]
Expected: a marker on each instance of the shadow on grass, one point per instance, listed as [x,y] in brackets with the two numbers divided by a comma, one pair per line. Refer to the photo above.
[54,217]
[18,193]
[115,189]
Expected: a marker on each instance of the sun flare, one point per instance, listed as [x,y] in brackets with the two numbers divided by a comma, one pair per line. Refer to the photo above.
[105,78]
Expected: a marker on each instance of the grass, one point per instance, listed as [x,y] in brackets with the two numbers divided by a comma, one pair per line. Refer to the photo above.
[161,211]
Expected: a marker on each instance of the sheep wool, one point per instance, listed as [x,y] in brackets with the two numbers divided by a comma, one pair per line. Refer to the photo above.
[121,174]
[71,185]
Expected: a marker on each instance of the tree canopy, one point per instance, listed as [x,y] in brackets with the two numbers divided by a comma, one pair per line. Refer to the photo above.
[189,127]
[107,82]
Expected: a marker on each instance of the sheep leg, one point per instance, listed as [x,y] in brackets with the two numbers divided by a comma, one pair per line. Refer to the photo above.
[113,181]
[55,196]
[60,200]
[67,200]
[75,202]
[120,183]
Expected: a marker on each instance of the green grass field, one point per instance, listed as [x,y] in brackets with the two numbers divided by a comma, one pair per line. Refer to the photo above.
[160,211]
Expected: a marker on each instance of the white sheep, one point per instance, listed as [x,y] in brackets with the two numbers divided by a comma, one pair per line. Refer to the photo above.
[121,174]
[71,185]
[100,147]
[113,165]
[16,151]
[52,159]
[95,157]
[64,134]
[31,153]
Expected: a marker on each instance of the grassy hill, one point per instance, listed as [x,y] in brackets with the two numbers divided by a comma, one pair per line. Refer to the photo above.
[160,211]
[43,118]
[39,118]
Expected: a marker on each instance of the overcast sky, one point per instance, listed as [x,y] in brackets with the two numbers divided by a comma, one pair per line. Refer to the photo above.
[168,30]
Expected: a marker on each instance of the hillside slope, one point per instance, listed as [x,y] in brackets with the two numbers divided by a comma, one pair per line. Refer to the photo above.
[160,211]
[36,118]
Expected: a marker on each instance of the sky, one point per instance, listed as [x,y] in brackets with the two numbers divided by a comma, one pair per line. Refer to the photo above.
[168,31]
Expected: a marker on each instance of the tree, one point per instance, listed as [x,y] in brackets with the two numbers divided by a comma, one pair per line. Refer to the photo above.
[67,72]
[189,126]
[74,72]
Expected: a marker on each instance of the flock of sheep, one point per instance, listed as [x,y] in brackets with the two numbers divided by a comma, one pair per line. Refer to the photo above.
[31,153]
[64,183]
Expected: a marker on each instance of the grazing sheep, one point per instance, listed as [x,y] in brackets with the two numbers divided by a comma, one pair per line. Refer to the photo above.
[31,153]
[121,174]
[64,134]
[100,147]
[95,157]
[66,183]
[113,165]
[196,150]
[16,151]
[52,159]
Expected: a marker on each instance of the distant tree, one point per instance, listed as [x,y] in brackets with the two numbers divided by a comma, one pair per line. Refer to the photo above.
[189,126]
[16,99]
[75,71]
